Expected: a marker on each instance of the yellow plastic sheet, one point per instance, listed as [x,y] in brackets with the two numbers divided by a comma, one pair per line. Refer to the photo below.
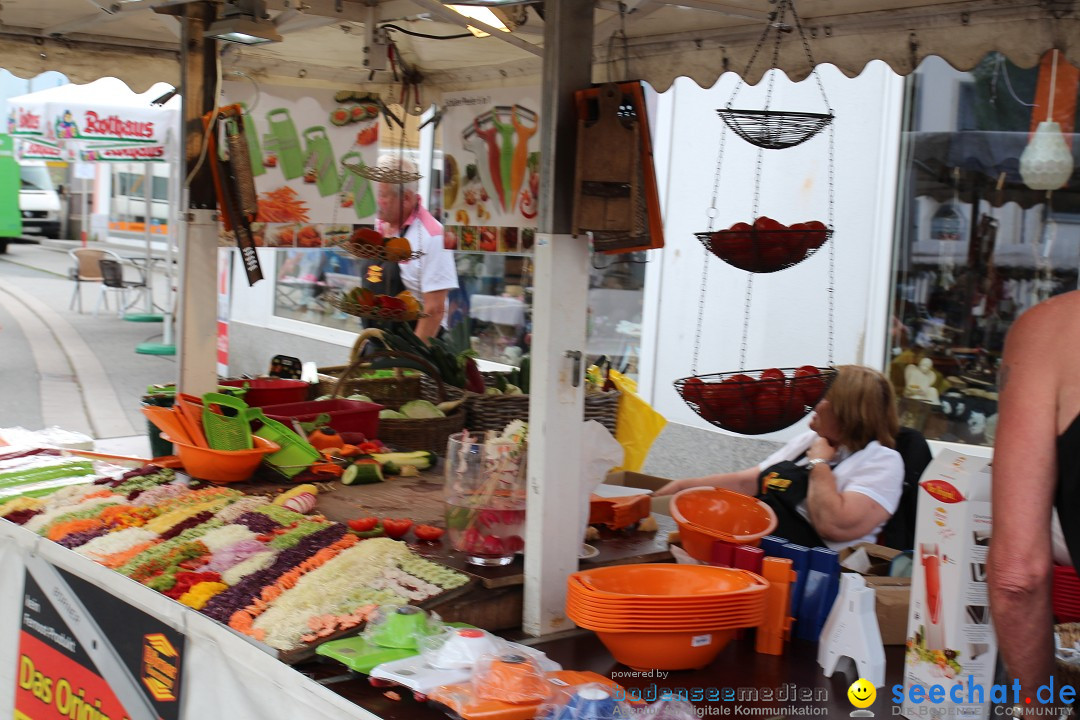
[636,425]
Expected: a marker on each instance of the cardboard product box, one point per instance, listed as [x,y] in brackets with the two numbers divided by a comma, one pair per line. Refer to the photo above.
[950,635]
[892,594]
[627,478]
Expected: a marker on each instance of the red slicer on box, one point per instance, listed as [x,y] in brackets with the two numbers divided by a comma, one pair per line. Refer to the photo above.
[935,628]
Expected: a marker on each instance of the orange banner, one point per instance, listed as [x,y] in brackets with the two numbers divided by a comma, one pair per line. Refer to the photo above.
[1065,82]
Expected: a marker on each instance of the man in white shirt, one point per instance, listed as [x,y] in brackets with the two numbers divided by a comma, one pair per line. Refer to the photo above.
[431,277]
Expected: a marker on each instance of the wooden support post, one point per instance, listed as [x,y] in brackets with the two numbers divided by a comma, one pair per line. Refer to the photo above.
[554,535]
[198,247]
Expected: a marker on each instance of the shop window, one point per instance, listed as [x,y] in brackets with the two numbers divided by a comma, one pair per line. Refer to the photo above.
[493,301]
[975,247]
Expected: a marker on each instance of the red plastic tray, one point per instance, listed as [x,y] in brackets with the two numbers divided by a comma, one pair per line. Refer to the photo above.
[263,392]
[345,415]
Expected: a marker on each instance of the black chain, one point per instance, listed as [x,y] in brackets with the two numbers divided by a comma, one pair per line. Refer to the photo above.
[746,319]
[832,240]
[712,212]
[809,55]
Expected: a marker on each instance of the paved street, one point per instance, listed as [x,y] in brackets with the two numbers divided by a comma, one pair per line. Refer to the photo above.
[65,368]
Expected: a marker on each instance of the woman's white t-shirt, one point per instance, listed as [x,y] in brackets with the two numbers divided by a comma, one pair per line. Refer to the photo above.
[875,471]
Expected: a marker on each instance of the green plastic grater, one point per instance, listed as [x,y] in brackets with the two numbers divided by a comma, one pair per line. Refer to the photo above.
[254,148]
[289,153]
[296,453]
[358,185]
[320,154]
[226,422]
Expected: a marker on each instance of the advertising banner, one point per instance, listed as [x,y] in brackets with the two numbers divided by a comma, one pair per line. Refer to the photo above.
[40,150]
[302,144]
[10,182]
[124,153]
[491,166]
[83,653]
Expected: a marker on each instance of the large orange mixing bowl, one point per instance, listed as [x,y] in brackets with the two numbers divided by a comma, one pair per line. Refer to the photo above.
[665,650]
[667,581]
[223,466]
[705,515]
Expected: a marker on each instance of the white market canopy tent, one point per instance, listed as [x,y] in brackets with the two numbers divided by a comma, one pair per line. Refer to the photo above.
[100,121]
[700,39]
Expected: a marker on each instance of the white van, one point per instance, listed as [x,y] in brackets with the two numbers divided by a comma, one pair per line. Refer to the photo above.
[39,204]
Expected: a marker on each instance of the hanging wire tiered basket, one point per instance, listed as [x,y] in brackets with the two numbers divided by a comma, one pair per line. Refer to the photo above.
[758,249]
[371,312]
[763,245]
[366,251]
[777,129]
[754,402]
[774,129]
[385,175]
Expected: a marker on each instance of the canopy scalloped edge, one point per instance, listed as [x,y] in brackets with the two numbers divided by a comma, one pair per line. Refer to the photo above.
[703,59]
[82,62]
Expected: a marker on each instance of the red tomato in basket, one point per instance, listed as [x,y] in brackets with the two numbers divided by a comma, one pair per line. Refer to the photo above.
[773,379]
[735,245]
[810,384]
[769,406]
[765,224]
[692,390]
[816,234]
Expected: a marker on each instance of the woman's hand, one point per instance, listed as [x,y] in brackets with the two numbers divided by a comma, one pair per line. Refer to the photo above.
[679,485]
[821,448]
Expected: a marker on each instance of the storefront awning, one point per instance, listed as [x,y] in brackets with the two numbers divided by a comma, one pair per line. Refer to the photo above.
[665,39]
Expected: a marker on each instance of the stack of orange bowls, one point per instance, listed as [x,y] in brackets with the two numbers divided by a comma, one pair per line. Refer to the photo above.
[662,616]
[705,515]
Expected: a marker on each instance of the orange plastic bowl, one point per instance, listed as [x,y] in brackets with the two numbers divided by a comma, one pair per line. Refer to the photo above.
[670,603]
[667,581]
[223,466]
[591,621]
[705,515]
[665,650]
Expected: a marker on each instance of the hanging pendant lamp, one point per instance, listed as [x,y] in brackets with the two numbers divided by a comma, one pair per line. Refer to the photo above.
[1047,162]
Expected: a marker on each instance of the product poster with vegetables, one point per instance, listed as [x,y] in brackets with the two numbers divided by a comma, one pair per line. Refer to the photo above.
[84,653]
[491,166]
[305,145]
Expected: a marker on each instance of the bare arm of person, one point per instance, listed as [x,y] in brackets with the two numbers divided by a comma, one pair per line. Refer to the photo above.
[1024,478]
[434,308]
[837,516]
[742,481]
[840,516]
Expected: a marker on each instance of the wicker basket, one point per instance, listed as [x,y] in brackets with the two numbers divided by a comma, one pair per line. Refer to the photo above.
[393,392]
[1068,673]
[414,434]
[495,412]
